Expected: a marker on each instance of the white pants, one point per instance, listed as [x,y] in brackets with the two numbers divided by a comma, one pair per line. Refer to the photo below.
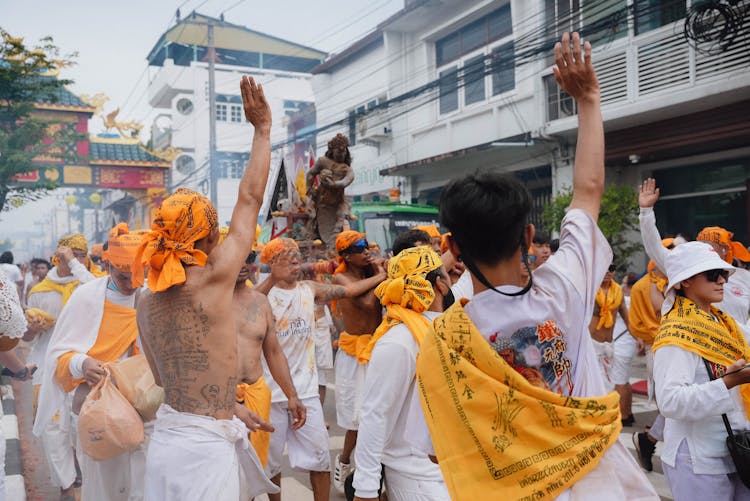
[686,485]
[625,348]
[350,383]
[197,458]
[118,479]
[57,442]
[604,353]
[307,447]
[403,488]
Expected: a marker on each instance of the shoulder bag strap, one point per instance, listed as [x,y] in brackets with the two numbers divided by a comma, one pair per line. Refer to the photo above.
[723,416]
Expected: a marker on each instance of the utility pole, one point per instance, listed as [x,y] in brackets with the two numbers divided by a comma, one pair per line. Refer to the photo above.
[212,168]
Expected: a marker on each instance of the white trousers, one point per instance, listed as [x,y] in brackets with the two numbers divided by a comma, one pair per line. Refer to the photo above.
[57,442]
[307,447]
[350,383]
[118,479]
[687,486]
[403,488]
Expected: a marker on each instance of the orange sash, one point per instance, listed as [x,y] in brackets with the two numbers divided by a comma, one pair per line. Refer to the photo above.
[257,398]
[354,345]
[117,333]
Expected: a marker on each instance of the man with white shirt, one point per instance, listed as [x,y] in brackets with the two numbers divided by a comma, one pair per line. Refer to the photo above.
[507,381]
[413,296]
[50,295]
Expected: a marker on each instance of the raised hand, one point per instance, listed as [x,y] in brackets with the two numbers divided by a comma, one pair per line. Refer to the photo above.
[574,70]
[648,193]
[257,110]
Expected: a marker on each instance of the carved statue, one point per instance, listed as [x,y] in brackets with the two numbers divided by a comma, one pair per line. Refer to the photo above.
[334,173]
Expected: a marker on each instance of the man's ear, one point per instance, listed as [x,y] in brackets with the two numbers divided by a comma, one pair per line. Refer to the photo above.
[453,248]
[529,231]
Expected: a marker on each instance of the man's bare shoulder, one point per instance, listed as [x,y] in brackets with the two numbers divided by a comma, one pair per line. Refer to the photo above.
[343,278]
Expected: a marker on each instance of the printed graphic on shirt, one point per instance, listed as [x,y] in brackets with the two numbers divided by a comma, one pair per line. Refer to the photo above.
[538,354]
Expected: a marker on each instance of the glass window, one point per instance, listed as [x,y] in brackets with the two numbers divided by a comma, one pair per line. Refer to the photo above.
[449,90]
[474,80]
[473,36]
[221,112]
[236,114]
[500,23]
[493,26]
[448,49]
[503,69]
[652,14]
[604,20]
[697,196]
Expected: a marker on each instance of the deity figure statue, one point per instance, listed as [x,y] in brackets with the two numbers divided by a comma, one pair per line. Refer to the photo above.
[326,181]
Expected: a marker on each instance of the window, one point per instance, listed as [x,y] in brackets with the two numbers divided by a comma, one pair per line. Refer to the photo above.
[449,90]
[503,69]
[474,80]
[236,113]
[221,112]
[184,106]
[493,26]
[230,168]
[652,14]
[595,19]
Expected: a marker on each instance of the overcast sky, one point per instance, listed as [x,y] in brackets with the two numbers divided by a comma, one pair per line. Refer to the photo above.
[113,39]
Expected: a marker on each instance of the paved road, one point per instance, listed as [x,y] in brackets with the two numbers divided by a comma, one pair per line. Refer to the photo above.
[295,486]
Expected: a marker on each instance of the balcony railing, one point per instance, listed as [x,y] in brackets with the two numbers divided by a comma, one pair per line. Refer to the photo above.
[660,61]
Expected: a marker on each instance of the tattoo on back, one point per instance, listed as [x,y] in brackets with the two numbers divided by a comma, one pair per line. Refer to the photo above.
[177,335]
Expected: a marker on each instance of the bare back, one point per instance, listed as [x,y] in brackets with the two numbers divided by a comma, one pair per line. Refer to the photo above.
[361,314]
[191,343]
[253,317]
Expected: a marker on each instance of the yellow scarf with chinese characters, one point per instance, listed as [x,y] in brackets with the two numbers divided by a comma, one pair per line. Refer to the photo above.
[713,336]
[493,431]
[608,303]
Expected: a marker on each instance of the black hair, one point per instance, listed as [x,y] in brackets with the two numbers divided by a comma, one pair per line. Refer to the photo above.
[541,238]
[37,260]
[408,239]
[631,277]
[486,214]
[6,257]
[554,245]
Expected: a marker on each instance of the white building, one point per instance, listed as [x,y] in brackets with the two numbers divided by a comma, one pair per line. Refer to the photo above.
[178,85]
[445,87]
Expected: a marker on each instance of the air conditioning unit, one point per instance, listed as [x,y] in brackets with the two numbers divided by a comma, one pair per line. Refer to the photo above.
[376,133]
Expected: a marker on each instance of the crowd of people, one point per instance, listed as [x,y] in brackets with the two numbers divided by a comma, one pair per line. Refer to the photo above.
[470,365]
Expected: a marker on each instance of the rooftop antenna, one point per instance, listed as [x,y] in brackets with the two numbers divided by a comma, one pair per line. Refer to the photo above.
[177,15]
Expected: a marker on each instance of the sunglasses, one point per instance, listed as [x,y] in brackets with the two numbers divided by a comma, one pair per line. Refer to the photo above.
[530,257]
[612,267]
[713,275]
[250,258]
[358,247]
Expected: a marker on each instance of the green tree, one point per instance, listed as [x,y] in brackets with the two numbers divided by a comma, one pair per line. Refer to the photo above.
[618,215]
[22,135]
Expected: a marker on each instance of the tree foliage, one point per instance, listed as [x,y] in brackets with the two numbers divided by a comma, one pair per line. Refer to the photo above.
[618,215]
[22,135]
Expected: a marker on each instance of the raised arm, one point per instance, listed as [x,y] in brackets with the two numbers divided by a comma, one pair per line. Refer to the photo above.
[325,292]
[574,72]
[647,197]
[279,368]
[227,258]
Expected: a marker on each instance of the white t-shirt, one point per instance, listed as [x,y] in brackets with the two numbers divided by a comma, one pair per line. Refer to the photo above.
[389,389]
[544,333]
[294,311]
[14,274]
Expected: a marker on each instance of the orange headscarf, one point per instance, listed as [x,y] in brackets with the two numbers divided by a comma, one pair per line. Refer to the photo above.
[277,247]
[97,250]
[430,229]
[183,219]
[122,247]
[344,240]
[719,235]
